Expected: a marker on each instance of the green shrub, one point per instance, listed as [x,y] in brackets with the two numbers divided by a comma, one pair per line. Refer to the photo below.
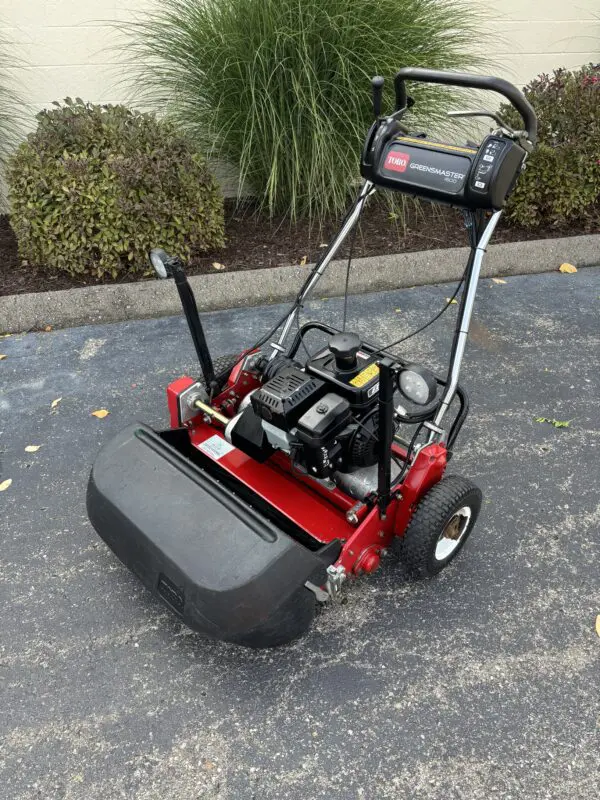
[95,187]
[561,183]
[281,88]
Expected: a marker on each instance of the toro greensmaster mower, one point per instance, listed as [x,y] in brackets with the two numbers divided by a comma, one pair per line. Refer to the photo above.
[288,469]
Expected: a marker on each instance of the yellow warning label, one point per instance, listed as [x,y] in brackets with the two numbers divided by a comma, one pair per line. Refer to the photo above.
[366,376]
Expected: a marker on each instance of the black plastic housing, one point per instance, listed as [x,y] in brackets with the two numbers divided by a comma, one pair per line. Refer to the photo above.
[249,435]
[285,397]
[358,386]
[223,567]
[318,425]
[467,177]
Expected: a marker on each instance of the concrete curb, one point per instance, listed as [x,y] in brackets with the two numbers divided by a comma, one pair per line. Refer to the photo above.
[146,299]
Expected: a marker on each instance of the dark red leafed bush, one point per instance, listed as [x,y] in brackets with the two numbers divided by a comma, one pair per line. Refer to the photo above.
[561,183]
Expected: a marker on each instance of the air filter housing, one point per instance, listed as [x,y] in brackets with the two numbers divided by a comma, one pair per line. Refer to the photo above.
[283,399]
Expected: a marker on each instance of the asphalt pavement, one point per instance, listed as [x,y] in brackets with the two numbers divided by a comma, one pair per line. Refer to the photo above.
[480,683]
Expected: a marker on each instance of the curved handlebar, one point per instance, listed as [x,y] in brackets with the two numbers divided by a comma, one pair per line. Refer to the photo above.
[516,98]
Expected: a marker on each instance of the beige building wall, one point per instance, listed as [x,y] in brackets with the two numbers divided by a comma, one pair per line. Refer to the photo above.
[66,44]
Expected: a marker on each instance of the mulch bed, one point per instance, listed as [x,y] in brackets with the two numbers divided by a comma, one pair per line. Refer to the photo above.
[254,241]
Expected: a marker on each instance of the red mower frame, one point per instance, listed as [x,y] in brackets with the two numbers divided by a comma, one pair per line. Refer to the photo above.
[326,515]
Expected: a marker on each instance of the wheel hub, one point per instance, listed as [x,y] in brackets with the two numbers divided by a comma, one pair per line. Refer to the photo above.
[453,533]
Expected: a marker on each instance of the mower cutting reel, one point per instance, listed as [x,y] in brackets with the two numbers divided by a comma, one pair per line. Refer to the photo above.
[288,470]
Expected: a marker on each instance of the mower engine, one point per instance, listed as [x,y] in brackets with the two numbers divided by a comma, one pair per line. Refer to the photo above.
[323,415]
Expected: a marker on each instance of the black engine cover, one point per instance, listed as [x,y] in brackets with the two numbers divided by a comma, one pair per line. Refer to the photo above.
[324,420]
[358,386]
[284,398]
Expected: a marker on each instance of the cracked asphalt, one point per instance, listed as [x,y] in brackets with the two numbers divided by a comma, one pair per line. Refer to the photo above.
[481,683]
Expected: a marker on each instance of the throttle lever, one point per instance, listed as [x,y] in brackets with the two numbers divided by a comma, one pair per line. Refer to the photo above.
[377,86]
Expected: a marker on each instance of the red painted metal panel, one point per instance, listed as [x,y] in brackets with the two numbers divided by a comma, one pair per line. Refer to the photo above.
[173,391]
[297,501]
[426,470]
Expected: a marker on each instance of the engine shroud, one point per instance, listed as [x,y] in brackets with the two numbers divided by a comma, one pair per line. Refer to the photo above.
[359,385]
[284,398]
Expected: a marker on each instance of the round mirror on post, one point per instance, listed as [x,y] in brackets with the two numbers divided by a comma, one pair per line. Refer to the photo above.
[159,260]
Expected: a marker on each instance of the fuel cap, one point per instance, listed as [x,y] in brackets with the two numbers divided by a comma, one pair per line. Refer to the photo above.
[344,347]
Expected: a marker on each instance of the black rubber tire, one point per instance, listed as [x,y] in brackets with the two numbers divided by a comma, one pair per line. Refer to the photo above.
[442,501]
[288,622]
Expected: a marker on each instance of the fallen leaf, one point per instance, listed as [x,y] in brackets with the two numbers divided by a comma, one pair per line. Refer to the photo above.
[216,265]
[557,423]
[568,268]
[54,403]
[32,448]
[2,357]
[451,301]
[5,484]
[598,624]
[48,328]
[303,261]
[100,413]
[498,280]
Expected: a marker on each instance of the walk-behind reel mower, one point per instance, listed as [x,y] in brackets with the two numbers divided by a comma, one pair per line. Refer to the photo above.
[291,467]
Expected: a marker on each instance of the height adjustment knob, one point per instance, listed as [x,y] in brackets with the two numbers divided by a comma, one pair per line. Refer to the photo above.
[344,347]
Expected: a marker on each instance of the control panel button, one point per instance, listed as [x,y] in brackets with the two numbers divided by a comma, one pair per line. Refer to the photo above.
[486,164]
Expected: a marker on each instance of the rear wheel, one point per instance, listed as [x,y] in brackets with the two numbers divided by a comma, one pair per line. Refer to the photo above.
[440,525]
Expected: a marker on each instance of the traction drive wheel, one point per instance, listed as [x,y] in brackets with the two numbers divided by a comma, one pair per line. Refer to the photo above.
[440,525]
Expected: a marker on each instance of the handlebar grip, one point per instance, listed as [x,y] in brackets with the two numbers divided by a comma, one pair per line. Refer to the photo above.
[377,85]
[401,96]
[503,87]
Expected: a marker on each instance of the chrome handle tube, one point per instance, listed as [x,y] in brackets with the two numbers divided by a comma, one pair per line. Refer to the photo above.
[465,320]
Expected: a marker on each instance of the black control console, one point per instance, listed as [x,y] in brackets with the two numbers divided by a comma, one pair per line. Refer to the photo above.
[468,177]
